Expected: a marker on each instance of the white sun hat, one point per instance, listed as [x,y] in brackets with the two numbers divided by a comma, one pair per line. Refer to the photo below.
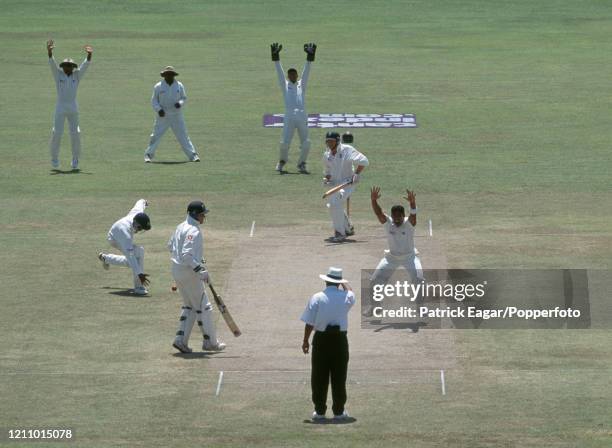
[334,275]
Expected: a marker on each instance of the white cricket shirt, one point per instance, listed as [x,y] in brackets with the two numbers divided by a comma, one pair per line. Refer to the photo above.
[401,239]
[165,96]
[293,93]
[65,85]
[341,165]
[186,245]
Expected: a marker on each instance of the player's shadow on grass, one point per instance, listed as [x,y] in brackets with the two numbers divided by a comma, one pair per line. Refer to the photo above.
[414,327]
[56,172]
[346,241]
[177,162]
[193,355]
[331,421]
[202,355]
[123,292]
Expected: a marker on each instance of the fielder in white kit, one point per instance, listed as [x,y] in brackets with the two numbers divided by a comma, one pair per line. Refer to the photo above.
[121,236]
[189,272]
[296,117]
[168,101]
[67,76]
[399,231]
[343,163]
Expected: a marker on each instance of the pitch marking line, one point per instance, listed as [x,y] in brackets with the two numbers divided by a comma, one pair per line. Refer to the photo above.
[443,382]
[219,384]
[252,230]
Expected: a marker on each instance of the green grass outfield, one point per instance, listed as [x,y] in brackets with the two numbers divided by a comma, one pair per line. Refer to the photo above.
[511,161]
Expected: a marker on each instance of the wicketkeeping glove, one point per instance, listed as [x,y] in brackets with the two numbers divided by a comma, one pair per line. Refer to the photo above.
[310,50]
[275,48]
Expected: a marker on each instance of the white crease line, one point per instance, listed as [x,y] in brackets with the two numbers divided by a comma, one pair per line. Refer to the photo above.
[219,383]
[443,382]
[252,230]
[430,228]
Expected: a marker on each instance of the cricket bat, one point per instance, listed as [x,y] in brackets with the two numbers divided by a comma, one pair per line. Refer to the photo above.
[336,189]
[229,320]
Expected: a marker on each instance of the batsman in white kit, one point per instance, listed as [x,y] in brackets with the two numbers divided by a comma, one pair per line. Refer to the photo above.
[67,76]
[121,236]
[296,117]
[168,101]
[343,165]
[189,272]
[399,231]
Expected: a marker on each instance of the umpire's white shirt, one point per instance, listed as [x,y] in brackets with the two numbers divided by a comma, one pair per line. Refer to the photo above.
[122,233]
[186,245]
[329,307]
[65,85]
[341,165]
[165,96]
[400,238]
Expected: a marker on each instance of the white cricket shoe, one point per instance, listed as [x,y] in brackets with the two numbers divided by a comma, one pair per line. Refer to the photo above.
[208,346]
[105,265]
[341,417]
[75,164]
[196,158]
[141,291]
[147,158]
[181,346]
[55,163]
[317,417]
[280,165]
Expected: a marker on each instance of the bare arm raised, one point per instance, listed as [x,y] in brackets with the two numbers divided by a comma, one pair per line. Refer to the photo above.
[375,196]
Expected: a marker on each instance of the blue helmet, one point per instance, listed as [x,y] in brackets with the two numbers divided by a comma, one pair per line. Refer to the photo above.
[347,137]
[142,219]
[195,208]
[332,135]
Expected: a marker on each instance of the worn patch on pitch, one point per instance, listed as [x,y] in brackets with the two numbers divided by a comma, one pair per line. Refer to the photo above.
[362,121]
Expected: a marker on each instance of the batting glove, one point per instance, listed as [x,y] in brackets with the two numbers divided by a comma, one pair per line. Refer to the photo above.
[275,48]
[204,276]
[310,50]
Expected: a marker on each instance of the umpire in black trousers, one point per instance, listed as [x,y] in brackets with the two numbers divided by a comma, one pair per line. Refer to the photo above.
[327,314]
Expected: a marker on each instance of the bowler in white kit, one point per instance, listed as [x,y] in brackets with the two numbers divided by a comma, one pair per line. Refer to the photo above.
[168,101]
[67,77]
[296,117]
[399,231]
[121,236]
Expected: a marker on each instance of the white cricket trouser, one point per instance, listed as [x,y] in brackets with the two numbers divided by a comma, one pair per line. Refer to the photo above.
[195,305]
[389,263]
[335,203]
[177,123]
[65,112]
[121,260]
[291,122]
